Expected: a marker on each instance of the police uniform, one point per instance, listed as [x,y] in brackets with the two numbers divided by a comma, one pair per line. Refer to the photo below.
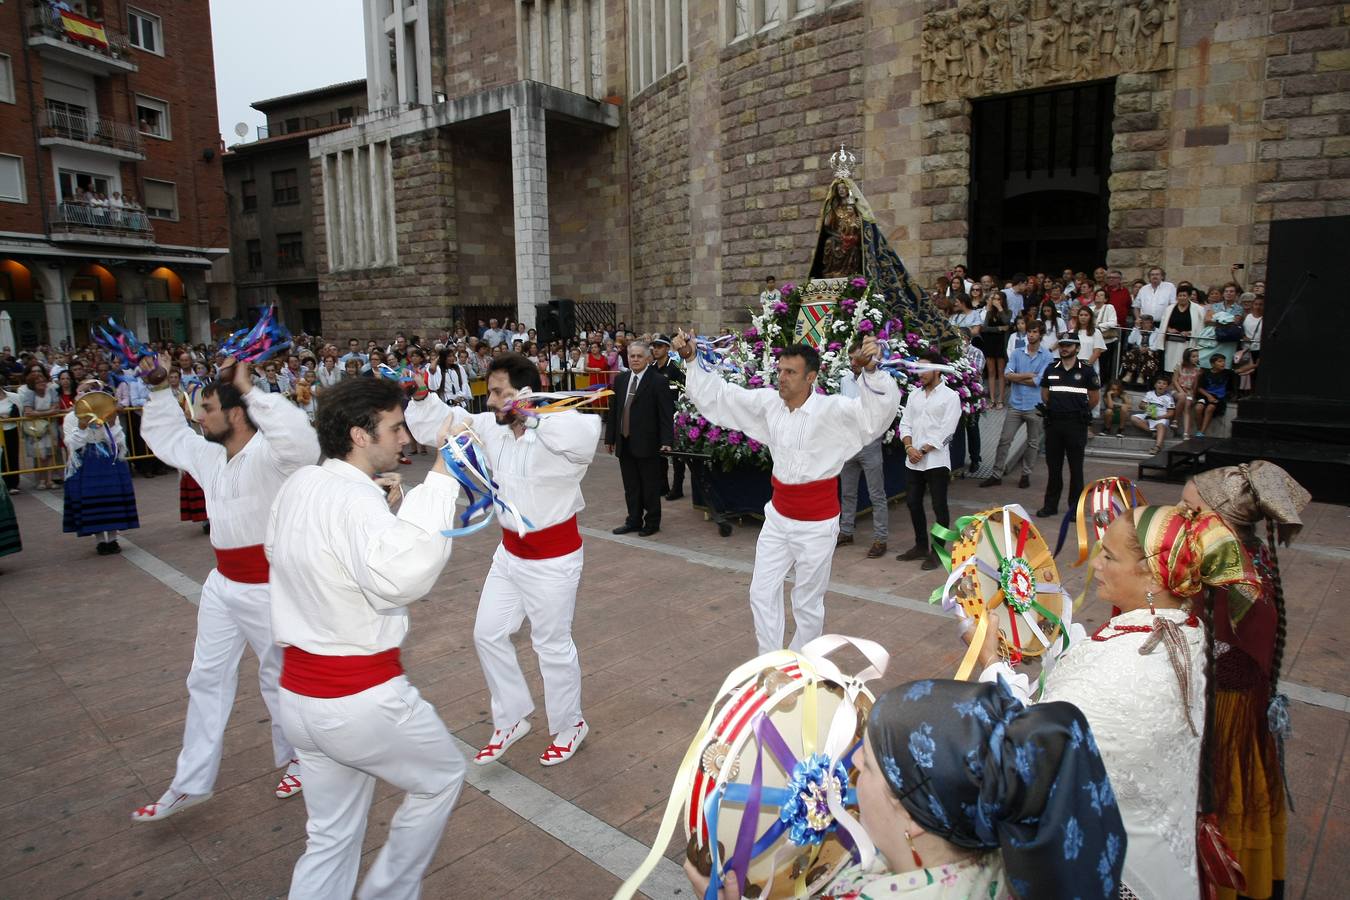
[674,484]
[1068,410]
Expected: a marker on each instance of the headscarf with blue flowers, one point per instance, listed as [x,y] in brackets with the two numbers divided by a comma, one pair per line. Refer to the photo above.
[974,766]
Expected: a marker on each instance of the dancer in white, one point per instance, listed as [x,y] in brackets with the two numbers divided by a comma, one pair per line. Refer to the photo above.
[345,568]
[251,442]
[810,436]
[538,462]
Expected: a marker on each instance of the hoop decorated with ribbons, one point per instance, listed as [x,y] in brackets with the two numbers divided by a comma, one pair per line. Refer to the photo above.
[1098,506]
[467,465]
[769,776]
[1001,573]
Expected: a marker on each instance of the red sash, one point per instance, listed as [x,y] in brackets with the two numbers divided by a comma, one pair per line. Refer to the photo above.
[247,565]
[814,501]
[546,543]
[326,677]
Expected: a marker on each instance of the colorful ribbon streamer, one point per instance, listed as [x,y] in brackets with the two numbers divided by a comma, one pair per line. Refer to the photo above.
[470,469]
[265,339]
[530,403]
[1100,502]
[120,343]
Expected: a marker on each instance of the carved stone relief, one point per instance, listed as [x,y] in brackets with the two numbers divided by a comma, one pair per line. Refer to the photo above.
[980,47]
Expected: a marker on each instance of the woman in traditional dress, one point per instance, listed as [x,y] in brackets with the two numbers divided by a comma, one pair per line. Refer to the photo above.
[1141,680]
[967,793]
[99,497]
[1248,792]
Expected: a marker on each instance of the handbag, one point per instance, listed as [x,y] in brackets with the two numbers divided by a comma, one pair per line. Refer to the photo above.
[1228,334]
[35,428]
[1220,867]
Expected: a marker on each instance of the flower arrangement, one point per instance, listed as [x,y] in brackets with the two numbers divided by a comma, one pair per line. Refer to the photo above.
[752,361]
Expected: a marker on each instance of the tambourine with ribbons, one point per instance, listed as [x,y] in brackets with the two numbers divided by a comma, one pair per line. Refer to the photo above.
[265,339]
[770,775]
[1098,506]
[120,343]
[466,463]
[1001,574]
[531,404]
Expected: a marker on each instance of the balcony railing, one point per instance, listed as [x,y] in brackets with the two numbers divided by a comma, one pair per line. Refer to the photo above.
[306,123]
[72,218]
[90,130]
[47,21]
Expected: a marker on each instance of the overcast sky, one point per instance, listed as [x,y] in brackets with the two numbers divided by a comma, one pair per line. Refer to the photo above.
[267,48]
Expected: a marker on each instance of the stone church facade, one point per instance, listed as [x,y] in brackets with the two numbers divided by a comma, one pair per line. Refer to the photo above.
[665,155]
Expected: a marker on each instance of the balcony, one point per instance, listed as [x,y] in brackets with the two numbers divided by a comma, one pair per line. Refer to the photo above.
[89,224]
[295,124]
[57,128]
[72,39]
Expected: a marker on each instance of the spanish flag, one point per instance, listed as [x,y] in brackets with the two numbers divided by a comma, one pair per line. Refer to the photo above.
[86,31]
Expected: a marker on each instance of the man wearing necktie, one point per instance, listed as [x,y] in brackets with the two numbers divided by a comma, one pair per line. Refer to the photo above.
[639,428]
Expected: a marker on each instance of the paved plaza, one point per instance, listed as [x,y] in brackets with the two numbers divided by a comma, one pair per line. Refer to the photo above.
[94,652]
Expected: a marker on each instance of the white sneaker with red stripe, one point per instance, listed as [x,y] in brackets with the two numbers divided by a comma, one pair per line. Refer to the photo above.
[170,804]
[289,785]
[501,739]
[565,743]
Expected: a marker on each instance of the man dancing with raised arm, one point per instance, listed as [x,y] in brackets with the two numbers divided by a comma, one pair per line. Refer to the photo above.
[538,463]
[251,442]
[345,568]
[810,436]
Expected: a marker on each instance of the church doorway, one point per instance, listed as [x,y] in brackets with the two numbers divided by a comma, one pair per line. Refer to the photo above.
[1039,168]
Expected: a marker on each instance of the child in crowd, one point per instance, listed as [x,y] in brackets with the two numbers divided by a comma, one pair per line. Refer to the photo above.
[1214,389]
[1114,404]
[1156,410]
[1187,376]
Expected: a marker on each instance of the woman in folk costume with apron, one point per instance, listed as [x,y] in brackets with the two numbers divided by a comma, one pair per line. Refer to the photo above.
[99,497]
[1251,717]
[1143,681]
[967,794]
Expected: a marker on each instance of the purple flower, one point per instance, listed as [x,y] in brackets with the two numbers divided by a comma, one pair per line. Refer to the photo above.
[780,308]
[702,422]
[866,326]
[693,434]
[788,289]
[750,333]
[733,438]
[848,305]
[835,345]
[777,351]
[756,381]
[759,346]
[681,419]
[753,445]
[911,338]
[859,282]
[714,433]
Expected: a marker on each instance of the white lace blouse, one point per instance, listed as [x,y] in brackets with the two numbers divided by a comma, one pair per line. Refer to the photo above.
[1133,704]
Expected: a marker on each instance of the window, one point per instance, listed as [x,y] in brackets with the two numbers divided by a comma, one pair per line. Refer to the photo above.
[345,114]
[290,250]
[6,79]
[248,195]
[656,39]
[292,125]
[144,31]
[358,207]
[285,187]
[67,120]
[161,199]
[11,179]
[152,117]
[254,250]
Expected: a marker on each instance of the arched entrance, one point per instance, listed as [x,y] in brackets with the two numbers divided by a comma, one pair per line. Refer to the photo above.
[93,297]
[21,297]
[165,311]
[1039,168]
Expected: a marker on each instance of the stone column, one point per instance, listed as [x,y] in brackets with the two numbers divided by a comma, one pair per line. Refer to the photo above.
[529,183]
[54,301]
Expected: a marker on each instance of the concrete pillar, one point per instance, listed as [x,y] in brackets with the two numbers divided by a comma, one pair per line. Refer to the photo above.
[529,183]
[55,302]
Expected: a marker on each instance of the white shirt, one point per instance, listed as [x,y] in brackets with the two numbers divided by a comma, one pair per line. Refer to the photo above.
[810,443]
[1087,343]
[772,296]
[1156,338]
[329,377]
[344,568]
[1251,329]
[1134,707]
[1161,404]
[456,386]
[77,438]
[539,472]
[1151,302]
[239,490]
[1106,321]
[930,419]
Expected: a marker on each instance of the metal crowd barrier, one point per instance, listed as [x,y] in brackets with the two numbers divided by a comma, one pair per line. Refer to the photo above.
[16,460]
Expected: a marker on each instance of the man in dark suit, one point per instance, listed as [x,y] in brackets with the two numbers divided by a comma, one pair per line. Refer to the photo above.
[641,424]
[663,362]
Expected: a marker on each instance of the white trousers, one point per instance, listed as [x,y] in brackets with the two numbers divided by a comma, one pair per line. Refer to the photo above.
[231,614]
[545,590]
[807,548]
[345,743]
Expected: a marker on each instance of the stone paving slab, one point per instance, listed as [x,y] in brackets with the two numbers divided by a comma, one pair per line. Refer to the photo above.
[94,652]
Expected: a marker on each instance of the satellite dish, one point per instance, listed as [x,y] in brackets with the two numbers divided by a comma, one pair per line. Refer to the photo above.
[241,129]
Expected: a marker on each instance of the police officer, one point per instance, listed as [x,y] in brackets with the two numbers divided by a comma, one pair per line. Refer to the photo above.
[664,363]
[1069,393]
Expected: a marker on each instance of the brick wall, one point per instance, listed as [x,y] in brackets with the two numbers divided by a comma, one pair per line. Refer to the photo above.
[483,210]
[658,122]
[588,214]
[415,295]
[788,98]
[16,126]
[480,49]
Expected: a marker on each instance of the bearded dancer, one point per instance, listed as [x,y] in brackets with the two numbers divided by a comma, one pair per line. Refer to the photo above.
[810,436]
[250,444]
[538,462]
[345,569]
